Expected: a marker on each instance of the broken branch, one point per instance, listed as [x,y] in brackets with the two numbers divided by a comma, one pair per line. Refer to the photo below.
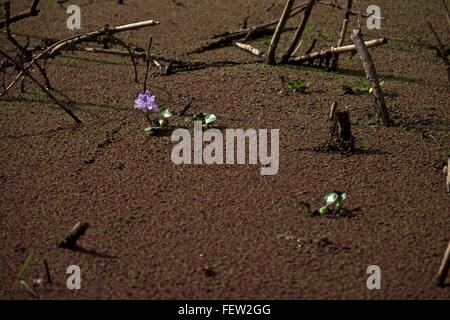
[33,11]
[335,61]
[333,51]
[445,265]
[71,239]
[441,49]
[249,48]
[372,76]
[278,31]
[42,87]
[299,33]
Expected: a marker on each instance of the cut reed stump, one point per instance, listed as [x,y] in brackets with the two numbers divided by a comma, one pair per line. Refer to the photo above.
[372,76]
[341,129]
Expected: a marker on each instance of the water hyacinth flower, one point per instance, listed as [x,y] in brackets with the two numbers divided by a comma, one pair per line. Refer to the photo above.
[146,102]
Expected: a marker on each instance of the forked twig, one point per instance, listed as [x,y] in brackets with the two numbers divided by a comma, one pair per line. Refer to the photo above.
[33,11]
[42,87]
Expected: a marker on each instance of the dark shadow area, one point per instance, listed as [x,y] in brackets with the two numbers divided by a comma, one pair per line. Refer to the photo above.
[92,252]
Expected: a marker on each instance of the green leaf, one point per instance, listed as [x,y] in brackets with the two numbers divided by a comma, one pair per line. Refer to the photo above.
[210,118]
[341,195]
[165,113]
[364,86]
[297,86]
[331,198]
[324,211]
[162,123]
[305,205]
[199,116]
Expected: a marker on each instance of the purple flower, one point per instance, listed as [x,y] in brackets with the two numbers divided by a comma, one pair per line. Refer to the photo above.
[146,102]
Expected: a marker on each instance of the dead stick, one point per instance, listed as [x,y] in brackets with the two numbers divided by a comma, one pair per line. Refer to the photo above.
[447,13]
[22,49]
[279,31]
[332,51]
[372,76]
[33,11]
[299,33]
[60,45]
[294,11]
[133,61]
[335,61]
[332,110]
[336,5]
[42,87]
[311,47]
[249,48]
[47,271]
[71,239]
[445,265]
[442,50]
[185,109]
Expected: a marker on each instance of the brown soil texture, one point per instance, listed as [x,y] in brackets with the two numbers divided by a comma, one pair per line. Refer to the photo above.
[162,231]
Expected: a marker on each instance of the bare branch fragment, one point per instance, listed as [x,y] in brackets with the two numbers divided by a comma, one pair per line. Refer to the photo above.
[299,33]
[372,76]
[279,31]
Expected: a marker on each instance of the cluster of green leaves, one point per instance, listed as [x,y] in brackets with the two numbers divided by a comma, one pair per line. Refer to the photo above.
[207,119]
[160,123]
[298,86]
[362,87]
[334,206]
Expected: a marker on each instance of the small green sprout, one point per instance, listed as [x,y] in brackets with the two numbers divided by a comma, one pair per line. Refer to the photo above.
[160,123]
[298,86]
[362,87]
[207,119]
[333,207]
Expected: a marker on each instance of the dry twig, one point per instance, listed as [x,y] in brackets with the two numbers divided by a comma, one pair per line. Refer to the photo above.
[299,33]
[442,51]
[335,61]
[445,266]
[33,11]
[372,76]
